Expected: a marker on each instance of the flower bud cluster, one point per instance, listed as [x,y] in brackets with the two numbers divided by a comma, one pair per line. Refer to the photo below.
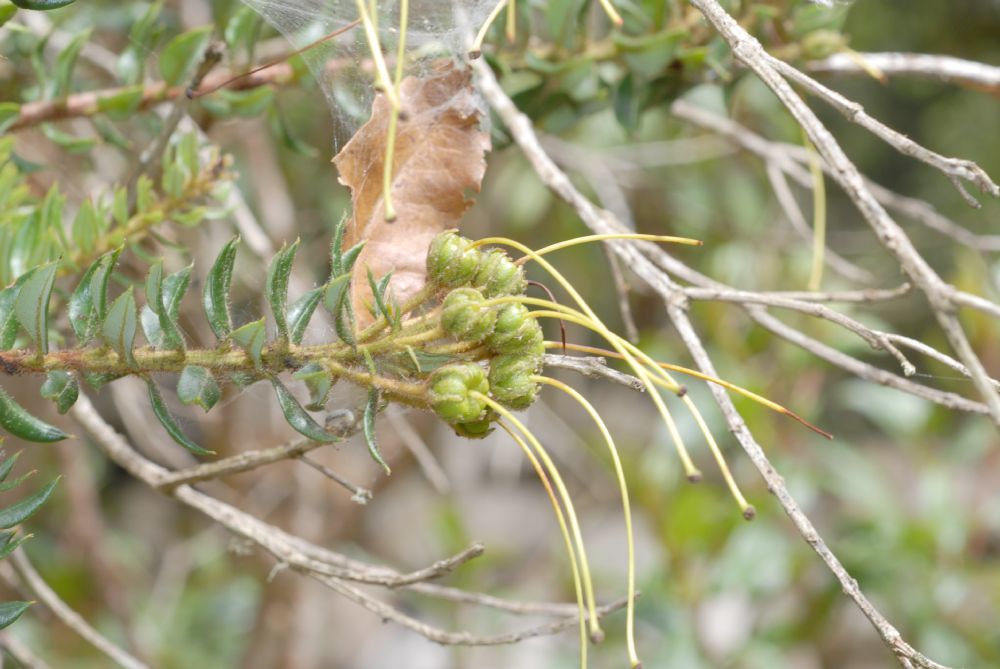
[470,313]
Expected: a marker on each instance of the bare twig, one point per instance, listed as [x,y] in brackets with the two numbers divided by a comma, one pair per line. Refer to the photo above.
[979,76]
[749,51]
[358,494]
[426,460]
[68,616]
[601,222]
[21,652]
[593,367]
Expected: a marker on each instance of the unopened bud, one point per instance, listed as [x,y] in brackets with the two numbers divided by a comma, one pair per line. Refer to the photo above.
[450,392]
[451,260]
[510,380]
[515,331]
[498,275]
[465,316]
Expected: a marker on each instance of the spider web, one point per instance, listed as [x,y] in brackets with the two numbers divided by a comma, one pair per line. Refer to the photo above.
[342,65]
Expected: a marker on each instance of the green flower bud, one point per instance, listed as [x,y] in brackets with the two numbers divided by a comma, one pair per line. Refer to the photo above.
[498,275]
[449,389]
[465,317]
[510,380]
[515,331]
[451,260]
[477,429]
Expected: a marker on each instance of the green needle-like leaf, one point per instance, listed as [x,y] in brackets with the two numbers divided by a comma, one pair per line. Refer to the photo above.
[368,425]
[32,304]
[198,386]
[7,465]
[300,313]
[41,5]
[15,419]
[278,274]
[318,381]
[8,319]
[120,326]
[88,305]
[11,611]
[181,55]
[216,293]
[251,338]
[297,417]
[169,424]
[163,297]
[17,513]
[62,388]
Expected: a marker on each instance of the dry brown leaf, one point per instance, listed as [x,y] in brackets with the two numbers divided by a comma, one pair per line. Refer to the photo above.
[439,157]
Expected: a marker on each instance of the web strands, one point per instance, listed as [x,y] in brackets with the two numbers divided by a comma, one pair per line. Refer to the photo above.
[341,65]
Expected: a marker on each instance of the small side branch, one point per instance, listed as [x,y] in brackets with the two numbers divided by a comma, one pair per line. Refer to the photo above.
[26,571]
[968,73]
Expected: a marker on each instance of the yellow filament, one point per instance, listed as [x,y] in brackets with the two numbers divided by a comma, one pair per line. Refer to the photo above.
[382,72]
[588,584]
[390,141]
[511,21]
[477,45]
[593,322]
[661,239]
[626,508]
[574,566]
[819,216]
[612,13]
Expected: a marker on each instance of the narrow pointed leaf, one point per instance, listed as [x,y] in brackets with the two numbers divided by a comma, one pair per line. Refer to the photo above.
[368,424]
[11,611]
[251,338]
[17,513]
[216,294]
[150,323]
[7,465]
[163,297]
[318,381]
[278,274]
[15,419]
[337,248]
[378,293]
[32,304]
[297,417]
[350,257]
[300,313]
[8,319]
[198,386]
[89,303]
[62,388]
[12,546]
[334,292]
[169,423]
[343,319]
[10,485]
[120,326]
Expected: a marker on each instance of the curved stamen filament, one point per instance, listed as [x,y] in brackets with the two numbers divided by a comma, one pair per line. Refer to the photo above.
[586,239]
[590,321]
[759,399]
[588,585]
[612,13]
[477,45]
[626,507]
[574,565]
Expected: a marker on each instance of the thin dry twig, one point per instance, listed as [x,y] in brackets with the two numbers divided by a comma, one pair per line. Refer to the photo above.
[969,73]
[26,571]
[749,51]
[325,565]
[602,222]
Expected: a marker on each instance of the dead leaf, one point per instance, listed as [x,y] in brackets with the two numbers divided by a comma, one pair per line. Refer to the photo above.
[439,157]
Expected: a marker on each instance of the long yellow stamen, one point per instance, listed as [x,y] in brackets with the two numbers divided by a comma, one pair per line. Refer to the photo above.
[574,566]
[773,406]
[390,140]
[511,21]
[626,507]
[586,239]
[612,13]
[477,44]
[596,633]
[690,471]
[383,79]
